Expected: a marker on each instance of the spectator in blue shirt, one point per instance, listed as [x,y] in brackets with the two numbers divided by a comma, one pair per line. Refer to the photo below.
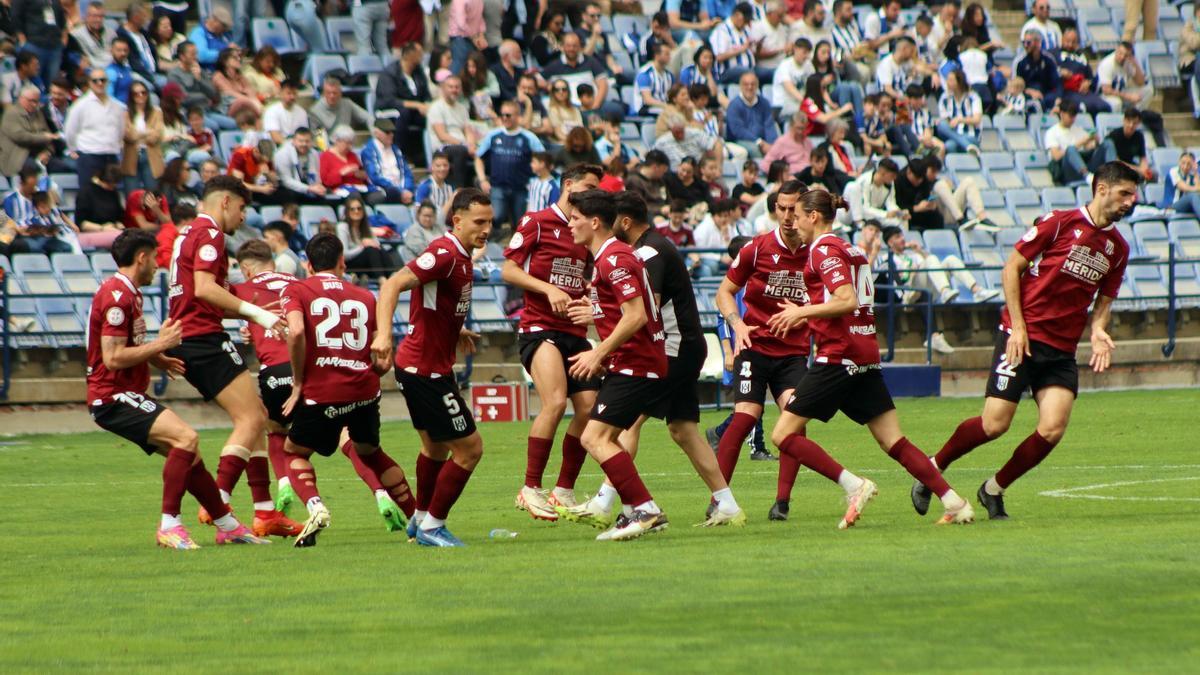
[212,36]
[120,73]
[385,165]
[748,120]
[689,15]
[718,9]
[505,154]
[1040,72]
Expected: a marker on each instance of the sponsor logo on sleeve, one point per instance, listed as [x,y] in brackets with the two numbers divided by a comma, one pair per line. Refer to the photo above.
[1030,235]
[209,253]
[517,240]
[115,316]
[426,261]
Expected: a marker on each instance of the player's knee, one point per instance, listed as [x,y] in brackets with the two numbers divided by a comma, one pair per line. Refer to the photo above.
[1052,431]
[470,451]
[591,437]
[996,425]
[555,406]
[779,436]
[188,439]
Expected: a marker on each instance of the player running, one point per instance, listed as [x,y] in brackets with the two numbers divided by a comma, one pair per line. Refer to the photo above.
[441,280]
[633,358]
[846,375]
[199,301]
[545,261]
[1059,267]
[335,381]
[672,287]
[770,269]
[264,286]
[119,360]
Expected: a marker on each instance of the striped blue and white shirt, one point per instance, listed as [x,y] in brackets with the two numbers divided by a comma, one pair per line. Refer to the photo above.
[968,106]
[19,208]
[438,195]
[542,193]
[712,126]
[691,75]
[604,148]
[921,120]
[657,82]
[846,38]
[723,39]
[891,74]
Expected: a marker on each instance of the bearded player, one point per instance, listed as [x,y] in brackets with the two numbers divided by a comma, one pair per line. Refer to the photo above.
[671,285]
[199,300]
[265,286]
[118,373]
[441,281]
[335,381]
[1064,263]
[545,262]
[633,359]
[846,374]
[770,269]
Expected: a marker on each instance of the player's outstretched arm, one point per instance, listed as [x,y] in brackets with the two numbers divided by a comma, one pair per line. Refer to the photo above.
[589,364]
[1018,340]
[208,290]
[1102,343]
[514,274]
[118,356]
[389,294]
[296,342]
[727,305]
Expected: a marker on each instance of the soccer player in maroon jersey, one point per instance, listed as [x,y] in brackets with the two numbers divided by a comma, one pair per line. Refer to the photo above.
[265,285]
[631,355]
[440,280]
[199,300]
[119,360]
[847,374]
[771,270]
[545,262]
[1061,265]
[335,379]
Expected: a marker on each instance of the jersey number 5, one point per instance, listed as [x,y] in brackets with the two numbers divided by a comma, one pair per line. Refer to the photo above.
[355,338]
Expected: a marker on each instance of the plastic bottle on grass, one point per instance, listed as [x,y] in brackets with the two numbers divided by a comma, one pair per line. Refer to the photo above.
[502,534]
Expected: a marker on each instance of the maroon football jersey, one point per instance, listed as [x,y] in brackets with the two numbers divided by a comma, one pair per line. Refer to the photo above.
[618,276]
[770,273]
[339,325]
[1072,260]
[848,339]
[438,308]
[199,246]
[544,247]
[116,312]
[264,289]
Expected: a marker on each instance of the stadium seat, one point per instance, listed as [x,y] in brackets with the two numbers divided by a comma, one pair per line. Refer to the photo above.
[319,64]
[273,32]
[993,201]
[990,139]
[486,311]
[1149,285]
[1025,206]
[310,217]
[23,311]
[1035,166]
[1154,193]
[1098,28]
[340,31]
[399,214]
[369,64]
[1058,198]
[1165,159]
[227,142]
[1152,238]
[63,321]
[271,213]
[75,273]
[1107,121]
[34,273]
[1188,228]
[942,243]
[1083,195]
[1001,170]
[628,23]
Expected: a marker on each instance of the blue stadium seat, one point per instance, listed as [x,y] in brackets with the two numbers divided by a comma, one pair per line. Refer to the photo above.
[1083,194]
[1188,228]
[1019,139]
[75,273]
[310,217]
[1001,170]
[1007,239]
[1035,167]
[1153,238]
[993,201]
[399,214]
[271,213]
[1025,206]
[942,243]
[63,320]
[34,273]
[1154,193]
[1058,198]
[1165,159]
[23,311]
[340,31]
[1098,28]
[319,64]
[364,64]
[273,32]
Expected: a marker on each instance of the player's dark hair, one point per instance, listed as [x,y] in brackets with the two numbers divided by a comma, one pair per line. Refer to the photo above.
[633,206]
[1112,173]
[255,250]
[595,204]
[323,251]
[577,171]
[737,244]
[465,198]
[792,187]
[824,203]
[129,243]
[226,183]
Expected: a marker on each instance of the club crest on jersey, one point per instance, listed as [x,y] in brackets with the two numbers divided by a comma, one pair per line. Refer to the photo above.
[208,253]
[115,316]
[517,240]
[426,261]
[1108,247]
[1030,235]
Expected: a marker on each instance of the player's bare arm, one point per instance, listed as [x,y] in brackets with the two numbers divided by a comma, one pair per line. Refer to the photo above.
[1102,342]
[208,290]
[1018,339]
[589,364]
[727,305]
[389,294]
[791,315]
[296,352]
[514,274]
[118,356]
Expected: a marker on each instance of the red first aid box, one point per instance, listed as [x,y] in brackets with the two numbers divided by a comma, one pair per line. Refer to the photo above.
[500,402]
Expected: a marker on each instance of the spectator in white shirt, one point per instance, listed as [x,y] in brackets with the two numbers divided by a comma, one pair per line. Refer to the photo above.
[881,28]
[282,118]
[715,232]
[1072,149]
[772,35]
[872,196]
[812,26]
[1122,82]
[787,91]
[95,128]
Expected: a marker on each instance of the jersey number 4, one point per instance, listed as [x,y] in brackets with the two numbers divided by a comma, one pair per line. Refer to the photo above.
[355,338]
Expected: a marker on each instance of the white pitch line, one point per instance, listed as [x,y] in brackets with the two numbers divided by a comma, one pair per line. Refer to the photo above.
[1073,493]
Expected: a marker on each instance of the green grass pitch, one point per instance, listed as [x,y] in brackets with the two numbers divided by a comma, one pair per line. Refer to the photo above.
[1098,571]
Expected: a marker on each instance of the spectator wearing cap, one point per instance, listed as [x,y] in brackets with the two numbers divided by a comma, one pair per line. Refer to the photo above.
[385,165]
[335,110]
[94,128]
[282,118]
[212,36]
[23,132]
[94,38]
